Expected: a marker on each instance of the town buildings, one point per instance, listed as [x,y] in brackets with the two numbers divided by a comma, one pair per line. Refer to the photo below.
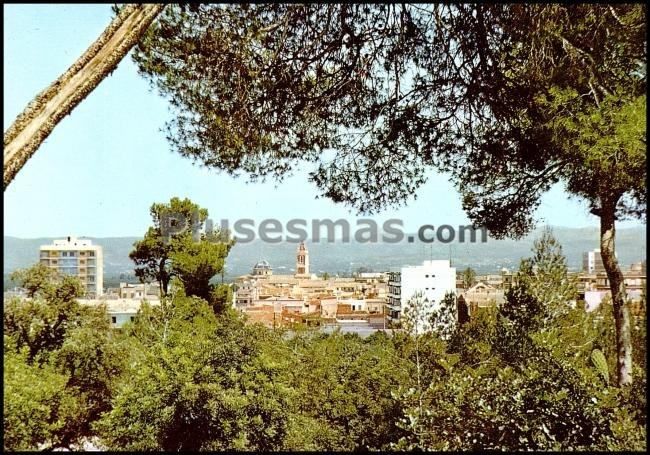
[274,299]
[77,257]
[482,295]
[433,278]
[133,291]
[593,288]
[369,299]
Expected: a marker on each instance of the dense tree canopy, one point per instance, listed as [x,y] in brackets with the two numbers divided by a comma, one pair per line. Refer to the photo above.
[372,93]
[61,359]
[375,93]
[182,377]
[510,99]
[178,246]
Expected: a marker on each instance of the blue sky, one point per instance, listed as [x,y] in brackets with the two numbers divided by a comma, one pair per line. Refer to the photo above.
[106,163]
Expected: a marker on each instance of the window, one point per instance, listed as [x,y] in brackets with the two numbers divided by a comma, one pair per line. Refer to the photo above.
[82,253]
[113,319]
[132,318]
[72,254]
[64,253]
[426,276]
[91,254]
[54,261]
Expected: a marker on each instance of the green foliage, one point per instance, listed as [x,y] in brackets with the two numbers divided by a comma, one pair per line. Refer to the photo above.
[317,76]
[33,398]
[40,323]
[500,389]
[71,349]
[221,297]
[444,317]
[609,138]
[343,390]
[522,309]
[152,254]
[43,281]
[469,277]
[416,314]
[202,383]
[184,377]
[524,97]
[194,262]
[545,276]
[575,112]
[600,362]
[511,381]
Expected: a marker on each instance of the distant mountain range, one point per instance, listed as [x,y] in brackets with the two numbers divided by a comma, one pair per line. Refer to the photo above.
[342,257]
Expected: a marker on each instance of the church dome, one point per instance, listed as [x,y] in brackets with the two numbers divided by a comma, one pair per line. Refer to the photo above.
[262,268]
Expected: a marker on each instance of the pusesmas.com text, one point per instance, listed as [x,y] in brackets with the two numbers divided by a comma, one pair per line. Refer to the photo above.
[297,230]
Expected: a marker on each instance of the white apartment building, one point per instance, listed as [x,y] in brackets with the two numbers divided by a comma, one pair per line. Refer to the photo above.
[592,262]
[433,278]
[77,257]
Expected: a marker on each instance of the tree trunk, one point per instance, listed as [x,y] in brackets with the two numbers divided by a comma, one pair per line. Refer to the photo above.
[617,288]
[44,112]
[163,278]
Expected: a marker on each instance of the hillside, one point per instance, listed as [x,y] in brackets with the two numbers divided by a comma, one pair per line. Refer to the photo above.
[345,257]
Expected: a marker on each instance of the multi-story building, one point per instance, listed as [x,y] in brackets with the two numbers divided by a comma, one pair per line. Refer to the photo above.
[639,267]
[77,257]
[433,278]
[246,292]
[394,304]
[508,279]
[592,262]
[593,287]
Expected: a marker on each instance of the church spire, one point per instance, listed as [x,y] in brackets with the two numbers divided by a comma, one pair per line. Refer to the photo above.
[302,260]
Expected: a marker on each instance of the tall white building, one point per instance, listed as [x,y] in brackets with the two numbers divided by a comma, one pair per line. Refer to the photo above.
[433,278]
[77,257]
[592,262]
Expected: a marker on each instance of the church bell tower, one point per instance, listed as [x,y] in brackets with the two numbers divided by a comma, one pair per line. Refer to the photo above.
[302,260]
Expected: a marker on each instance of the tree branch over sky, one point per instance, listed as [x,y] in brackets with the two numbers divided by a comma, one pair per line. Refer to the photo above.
[44,112]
